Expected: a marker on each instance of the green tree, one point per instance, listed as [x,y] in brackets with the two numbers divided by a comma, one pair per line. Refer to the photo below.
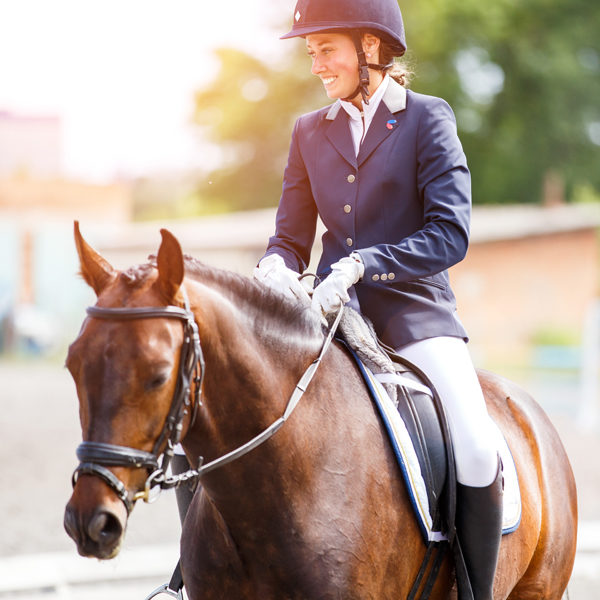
[524,80]
[249,112]
[522,77]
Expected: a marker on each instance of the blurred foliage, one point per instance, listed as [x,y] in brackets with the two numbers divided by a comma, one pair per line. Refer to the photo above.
[522,77]
[554,336]
[249,112]
[164,197]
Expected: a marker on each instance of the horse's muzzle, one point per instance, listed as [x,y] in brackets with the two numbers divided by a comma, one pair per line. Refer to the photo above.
[97,529]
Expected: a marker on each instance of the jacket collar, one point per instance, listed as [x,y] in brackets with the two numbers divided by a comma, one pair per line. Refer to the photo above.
[394,98]
[393,101]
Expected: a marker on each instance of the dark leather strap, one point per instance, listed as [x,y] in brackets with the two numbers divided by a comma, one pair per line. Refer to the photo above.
[109,477]
[191,373]
[434,556]
[115,456]
[176,582]
[140,312]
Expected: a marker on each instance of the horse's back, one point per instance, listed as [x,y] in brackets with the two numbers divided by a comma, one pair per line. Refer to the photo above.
[536,560]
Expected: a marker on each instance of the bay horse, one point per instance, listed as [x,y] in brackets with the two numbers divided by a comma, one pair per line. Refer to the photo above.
[319,510]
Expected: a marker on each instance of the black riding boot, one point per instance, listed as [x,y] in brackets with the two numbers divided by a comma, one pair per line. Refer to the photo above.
[184,493]
[479,530]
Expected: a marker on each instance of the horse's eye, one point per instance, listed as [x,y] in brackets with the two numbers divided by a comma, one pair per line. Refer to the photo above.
[157,381]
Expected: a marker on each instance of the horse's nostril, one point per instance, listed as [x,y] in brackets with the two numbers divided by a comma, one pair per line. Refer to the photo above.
[70,524]
[105,528]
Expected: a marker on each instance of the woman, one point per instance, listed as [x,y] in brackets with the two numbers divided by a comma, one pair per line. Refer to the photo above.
[385,171]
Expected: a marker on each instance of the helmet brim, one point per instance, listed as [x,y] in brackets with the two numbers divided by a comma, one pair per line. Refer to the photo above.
[303,31]
[325,27]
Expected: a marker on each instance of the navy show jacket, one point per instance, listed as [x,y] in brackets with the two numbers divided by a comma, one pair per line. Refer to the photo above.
[403,204]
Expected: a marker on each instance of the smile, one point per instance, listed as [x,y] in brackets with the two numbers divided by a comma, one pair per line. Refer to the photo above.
[328,80]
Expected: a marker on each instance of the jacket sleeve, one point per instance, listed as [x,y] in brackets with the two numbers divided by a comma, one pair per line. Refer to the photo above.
[296,218]
[444,187]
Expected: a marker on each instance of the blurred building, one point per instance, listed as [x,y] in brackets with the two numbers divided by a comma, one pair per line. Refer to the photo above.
[30,144]
[529,280]
[38,283]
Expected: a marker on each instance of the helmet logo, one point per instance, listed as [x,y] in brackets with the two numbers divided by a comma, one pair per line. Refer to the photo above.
[297,15]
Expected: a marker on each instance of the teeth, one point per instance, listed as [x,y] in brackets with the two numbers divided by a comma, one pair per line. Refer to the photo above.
[328,80]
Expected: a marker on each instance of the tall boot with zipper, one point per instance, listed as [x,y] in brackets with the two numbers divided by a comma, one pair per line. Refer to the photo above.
[479,530]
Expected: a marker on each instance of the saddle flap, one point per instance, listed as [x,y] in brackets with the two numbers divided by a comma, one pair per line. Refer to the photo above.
[419,415]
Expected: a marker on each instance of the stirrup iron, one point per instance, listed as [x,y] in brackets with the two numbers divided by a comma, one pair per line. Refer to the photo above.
[165,589]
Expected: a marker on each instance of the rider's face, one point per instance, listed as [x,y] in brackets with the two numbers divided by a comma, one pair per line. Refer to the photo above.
[335,62]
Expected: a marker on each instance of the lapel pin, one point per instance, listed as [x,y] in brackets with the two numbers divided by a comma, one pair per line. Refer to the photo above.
[390,123]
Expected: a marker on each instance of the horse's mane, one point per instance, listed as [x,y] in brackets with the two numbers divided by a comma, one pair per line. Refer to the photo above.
[266,308]
[271,313]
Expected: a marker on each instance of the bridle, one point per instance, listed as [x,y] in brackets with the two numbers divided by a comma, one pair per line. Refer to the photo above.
[94,457]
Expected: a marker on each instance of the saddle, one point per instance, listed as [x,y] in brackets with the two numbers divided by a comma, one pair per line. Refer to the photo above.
[420,409]
[410,406]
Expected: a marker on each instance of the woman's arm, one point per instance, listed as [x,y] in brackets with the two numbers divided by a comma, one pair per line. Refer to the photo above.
[444,186]
[296,219]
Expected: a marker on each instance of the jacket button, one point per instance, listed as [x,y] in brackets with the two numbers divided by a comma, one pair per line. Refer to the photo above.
[351,178]
[347,208]
[391,276]
[383,277]
[375,277]
[349,242]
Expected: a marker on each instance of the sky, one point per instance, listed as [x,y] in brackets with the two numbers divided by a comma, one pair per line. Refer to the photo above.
[121,74]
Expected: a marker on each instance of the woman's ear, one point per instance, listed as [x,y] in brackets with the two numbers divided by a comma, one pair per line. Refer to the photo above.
[371,44]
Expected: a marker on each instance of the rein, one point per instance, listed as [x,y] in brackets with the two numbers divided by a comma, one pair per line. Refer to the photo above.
[274,427]
[95,456]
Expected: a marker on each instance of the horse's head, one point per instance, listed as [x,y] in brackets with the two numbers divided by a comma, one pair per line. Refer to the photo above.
[134,364]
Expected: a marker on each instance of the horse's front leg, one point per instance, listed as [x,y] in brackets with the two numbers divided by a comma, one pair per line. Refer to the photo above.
[210,562]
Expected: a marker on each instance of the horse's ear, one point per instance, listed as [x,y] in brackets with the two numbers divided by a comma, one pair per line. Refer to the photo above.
[95,270]
[170,265]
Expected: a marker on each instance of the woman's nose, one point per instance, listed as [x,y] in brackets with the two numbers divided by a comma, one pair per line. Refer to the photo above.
[317,67]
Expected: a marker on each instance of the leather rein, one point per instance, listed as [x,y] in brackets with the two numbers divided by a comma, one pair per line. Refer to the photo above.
[94,457]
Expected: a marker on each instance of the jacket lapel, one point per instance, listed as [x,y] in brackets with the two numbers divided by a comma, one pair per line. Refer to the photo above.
[338,133]
[383,123]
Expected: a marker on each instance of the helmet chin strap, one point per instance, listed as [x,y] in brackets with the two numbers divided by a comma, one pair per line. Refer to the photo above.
[363,70]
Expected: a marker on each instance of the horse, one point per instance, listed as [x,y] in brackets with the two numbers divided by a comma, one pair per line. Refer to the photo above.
[317,510]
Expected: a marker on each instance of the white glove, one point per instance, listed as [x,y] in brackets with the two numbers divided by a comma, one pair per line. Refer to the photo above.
[331,293]
[273,273]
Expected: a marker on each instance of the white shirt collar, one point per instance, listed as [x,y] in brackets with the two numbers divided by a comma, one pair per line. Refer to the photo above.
[368,109]
[359,121]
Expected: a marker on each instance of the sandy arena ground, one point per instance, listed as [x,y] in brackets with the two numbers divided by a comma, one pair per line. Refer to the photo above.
[39,431]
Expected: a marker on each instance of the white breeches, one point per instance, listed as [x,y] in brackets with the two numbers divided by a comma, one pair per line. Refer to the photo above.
[447,363]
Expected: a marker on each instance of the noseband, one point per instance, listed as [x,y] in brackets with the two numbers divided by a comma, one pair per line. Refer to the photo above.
[94,457]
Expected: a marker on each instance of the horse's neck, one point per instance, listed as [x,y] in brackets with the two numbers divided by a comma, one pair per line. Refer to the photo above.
[249,376]
[272,501]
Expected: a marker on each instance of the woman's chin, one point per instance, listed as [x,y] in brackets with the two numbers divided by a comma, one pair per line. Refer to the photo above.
[333,94]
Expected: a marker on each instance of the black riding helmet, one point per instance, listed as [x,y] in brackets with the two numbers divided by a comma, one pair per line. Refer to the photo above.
[381,17]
